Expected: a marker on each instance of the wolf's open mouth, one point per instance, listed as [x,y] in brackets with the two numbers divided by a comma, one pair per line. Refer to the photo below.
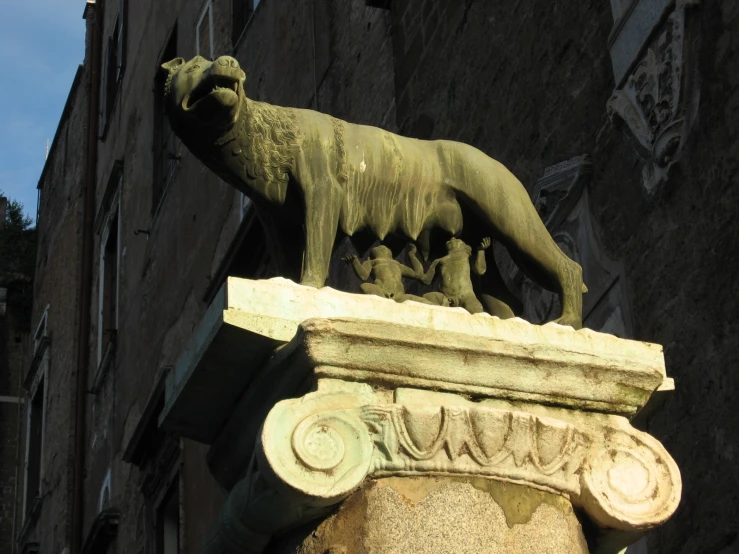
[212,83]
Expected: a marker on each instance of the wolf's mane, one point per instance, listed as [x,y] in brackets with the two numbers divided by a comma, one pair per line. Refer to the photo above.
[268,144]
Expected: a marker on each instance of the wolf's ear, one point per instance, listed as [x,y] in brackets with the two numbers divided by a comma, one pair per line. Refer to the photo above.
[172,65]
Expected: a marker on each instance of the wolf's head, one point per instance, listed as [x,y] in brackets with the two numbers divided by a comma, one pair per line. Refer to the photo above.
[201,95]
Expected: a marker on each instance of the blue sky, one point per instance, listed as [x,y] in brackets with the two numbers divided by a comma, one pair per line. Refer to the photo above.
[43,42]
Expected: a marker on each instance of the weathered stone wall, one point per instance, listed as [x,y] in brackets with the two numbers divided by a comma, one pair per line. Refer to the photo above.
[681,255]
[57,287]
[13,345]
[8,456]
[17,253]
[518,84]
[164,270]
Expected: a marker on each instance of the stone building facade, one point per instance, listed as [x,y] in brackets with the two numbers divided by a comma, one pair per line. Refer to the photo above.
[17,255]
[619,116]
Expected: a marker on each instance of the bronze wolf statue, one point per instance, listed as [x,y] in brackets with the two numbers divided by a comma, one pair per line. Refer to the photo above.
[311,176]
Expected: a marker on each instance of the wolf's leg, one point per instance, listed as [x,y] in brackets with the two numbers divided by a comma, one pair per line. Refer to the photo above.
[510,212]
[321,223]
[549,267]
[285,244]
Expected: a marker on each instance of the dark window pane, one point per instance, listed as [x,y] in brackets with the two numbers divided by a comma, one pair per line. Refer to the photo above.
[35,437]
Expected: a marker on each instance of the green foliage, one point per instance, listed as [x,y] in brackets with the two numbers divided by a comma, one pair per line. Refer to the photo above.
[15,219]
[18,261]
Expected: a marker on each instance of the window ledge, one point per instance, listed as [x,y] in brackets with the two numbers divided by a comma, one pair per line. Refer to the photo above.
[383,4]
[30,522]
[167,186]
[111,189]
[30,548]
[104,529]
[106,128]
[246,28]
[43,346]
[219,277]
[136,451]
[105,363]
[161,467]
[631,33]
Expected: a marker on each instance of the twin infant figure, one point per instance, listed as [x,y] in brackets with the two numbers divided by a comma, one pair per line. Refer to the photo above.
[456,282]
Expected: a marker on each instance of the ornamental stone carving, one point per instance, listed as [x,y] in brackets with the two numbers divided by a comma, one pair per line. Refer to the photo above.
[317,445]
[658,96]
[630,482]
[314,451]
[478,441]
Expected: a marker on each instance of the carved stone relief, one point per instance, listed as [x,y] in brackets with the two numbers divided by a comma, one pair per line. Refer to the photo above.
[460,440]
[658,96]
[562,199]
[316,450]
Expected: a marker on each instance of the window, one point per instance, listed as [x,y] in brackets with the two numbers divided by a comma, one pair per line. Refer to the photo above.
[146,436]
[41,331]
[165,143]
[35,424]
[242,12]
[102,535]
[115,63]
[245,203]
[247,257]
[108,283]
[104,496]
[41,342]
[204,32]
[168,521]
[121,40]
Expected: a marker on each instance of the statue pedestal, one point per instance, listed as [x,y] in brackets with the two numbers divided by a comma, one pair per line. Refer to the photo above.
[345,423]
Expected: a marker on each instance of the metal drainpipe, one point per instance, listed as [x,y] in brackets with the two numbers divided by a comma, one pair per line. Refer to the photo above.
[83,347]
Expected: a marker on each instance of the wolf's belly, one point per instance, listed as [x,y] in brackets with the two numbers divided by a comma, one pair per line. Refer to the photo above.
[408,211]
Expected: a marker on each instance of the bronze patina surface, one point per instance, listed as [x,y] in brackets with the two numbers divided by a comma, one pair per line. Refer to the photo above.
[388,274]
[456,281]
[312,175]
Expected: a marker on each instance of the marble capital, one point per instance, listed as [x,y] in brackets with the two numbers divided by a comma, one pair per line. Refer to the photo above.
[325,444]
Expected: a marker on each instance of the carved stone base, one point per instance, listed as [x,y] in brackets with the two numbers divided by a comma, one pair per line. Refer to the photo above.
[422,423]
[399,515]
